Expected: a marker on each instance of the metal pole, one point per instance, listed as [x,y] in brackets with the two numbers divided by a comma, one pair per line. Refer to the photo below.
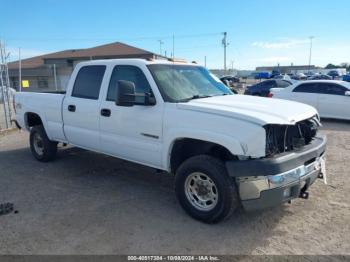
[54,75]
[2,62]
[205,61]
[310,54]
[225,44]
[173,46]
[20,70]
[8,94]
[160,46]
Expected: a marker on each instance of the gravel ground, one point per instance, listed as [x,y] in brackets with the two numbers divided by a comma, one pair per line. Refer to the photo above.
[88,203]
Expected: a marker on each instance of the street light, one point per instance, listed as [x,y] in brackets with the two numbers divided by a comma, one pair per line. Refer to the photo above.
[310,54]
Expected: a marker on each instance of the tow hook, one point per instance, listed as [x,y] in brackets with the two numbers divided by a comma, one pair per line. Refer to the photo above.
[304,195]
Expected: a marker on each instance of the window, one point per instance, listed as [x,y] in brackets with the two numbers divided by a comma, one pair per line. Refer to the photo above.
[332,89]
[268,84]
[132,74]
[283,83]
[88,82]
[181,83]
[43,82]
[306,88]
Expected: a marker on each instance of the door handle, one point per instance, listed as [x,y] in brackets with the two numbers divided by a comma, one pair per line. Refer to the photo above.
[71,108]
[105,112]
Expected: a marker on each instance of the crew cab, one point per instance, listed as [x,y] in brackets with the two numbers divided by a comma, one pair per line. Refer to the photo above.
[225,150]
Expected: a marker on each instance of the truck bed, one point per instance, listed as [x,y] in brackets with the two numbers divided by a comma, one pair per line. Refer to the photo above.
[47,105]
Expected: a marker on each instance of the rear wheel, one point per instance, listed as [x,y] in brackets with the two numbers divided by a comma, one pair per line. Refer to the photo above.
[205,190]
[42,148]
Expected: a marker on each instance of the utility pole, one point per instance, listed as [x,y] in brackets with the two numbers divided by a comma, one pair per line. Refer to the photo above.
[225,44]
[55,76]
[310,54]
[19,70]
[205,61]
[160,46]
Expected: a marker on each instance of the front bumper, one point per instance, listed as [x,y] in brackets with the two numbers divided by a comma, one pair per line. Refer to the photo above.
[268,182]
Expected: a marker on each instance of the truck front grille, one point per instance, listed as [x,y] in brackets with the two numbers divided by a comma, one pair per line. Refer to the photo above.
[284,138]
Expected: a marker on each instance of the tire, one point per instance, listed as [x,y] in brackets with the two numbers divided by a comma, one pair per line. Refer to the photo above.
[42,148]
[222,195]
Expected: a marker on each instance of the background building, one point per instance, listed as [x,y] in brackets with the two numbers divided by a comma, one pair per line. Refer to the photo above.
[286,69]
[52,71]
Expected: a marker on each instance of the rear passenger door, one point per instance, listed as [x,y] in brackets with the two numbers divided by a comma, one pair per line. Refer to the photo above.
[81,108]
[306,93]
[332,101]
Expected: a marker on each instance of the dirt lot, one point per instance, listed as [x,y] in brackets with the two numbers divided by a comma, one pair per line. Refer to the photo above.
[87,203]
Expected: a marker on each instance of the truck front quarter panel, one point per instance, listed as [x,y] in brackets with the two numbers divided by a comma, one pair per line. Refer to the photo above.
[240,138]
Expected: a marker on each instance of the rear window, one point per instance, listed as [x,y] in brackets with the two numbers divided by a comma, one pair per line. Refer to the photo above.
[283,83]
[332,89]
[88,82]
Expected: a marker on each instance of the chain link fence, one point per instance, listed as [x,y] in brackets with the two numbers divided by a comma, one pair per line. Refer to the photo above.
[7,111]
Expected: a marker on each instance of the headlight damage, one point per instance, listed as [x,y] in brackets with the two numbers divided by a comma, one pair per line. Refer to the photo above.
[284,138]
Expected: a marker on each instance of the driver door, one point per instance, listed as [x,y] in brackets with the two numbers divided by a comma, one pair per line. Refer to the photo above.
[132,133]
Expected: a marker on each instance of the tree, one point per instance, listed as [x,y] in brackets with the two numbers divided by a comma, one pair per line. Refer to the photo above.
[331,66]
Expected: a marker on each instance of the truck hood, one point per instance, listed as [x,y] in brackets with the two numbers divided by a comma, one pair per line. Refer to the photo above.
[259,110]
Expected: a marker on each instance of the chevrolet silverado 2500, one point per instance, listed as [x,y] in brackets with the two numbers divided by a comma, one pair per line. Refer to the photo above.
[225,150]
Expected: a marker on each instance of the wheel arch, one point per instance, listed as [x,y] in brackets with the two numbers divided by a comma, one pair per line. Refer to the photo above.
[182,148]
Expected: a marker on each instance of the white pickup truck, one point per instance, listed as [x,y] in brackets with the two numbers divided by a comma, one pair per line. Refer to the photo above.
[225,150]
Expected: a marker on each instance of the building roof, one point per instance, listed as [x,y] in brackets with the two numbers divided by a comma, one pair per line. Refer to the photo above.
[103,51]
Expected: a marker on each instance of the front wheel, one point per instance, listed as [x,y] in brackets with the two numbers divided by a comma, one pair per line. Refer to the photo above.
[205,190]
[42,148]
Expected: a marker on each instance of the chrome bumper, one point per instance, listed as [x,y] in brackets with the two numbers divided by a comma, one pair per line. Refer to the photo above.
[251,187]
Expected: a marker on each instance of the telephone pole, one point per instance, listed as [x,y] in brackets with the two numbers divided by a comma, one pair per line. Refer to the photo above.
[225,44]
[160,46]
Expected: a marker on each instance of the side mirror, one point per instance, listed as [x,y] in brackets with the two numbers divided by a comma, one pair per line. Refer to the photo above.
[150,100]
[125,93]
[347,93]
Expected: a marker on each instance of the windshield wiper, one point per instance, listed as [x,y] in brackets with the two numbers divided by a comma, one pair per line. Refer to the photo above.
[194,97]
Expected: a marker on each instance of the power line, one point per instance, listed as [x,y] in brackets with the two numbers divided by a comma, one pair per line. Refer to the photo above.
[113,39]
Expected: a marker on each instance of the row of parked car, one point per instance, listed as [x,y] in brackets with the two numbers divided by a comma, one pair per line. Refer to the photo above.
[330,97]
[331,75]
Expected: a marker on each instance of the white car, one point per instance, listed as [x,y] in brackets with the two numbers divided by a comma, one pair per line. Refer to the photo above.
[331,98]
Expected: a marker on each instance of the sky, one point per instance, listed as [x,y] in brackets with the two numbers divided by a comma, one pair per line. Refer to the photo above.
[259,32]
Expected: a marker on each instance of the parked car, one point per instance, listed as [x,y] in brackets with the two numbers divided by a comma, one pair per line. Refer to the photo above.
[231,79]
[263,88]
[275,73]
[225,150]
[333,74]
[319,77]
[225,82]
[299,76]
[262,75]
[283,77]
[346,77]
[330,97]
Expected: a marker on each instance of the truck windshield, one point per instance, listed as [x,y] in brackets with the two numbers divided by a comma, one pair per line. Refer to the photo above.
[181,83]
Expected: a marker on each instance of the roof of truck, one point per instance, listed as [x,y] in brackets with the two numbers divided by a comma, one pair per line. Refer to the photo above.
[136,61]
